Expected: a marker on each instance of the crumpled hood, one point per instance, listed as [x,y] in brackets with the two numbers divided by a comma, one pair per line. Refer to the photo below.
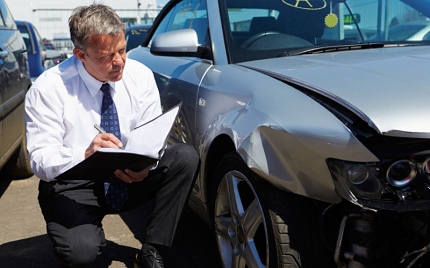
[387,87]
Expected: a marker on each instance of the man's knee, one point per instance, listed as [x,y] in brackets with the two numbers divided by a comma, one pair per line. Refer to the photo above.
[82,255]
[79,246]
[187,158]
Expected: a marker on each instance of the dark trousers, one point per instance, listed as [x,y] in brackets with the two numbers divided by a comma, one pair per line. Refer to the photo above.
[74,212]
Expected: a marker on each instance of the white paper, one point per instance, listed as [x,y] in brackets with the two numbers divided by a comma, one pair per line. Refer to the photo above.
[151,137]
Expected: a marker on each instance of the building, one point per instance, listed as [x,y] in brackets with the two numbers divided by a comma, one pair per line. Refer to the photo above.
[50,17]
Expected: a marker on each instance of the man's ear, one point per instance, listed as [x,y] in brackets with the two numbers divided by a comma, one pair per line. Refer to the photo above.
[79,54]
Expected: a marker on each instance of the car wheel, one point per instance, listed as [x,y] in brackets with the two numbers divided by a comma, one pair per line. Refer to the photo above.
[18,167]
[180,129]
[257,225]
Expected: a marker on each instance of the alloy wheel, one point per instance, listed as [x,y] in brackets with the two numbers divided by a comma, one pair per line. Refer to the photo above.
[240,225]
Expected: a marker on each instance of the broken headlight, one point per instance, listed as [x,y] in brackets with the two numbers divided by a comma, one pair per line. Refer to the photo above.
[401,173]
[395,180]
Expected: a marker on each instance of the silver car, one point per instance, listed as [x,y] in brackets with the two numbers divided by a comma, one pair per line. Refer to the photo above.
[314,140]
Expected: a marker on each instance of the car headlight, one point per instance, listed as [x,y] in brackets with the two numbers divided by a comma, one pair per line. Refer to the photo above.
[401,173]
[357,179]
[358,175]
[393,180]
[425,169]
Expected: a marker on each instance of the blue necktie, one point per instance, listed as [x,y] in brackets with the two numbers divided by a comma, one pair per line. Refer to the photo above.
[116,192]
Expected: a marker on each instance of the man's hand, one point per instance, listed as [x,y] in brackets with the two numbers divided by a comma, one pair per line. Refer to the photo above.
[131,176]
[106,140]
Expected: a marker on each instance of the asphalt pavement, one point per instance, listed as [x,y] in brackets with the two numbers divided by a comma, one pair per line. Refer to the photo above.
[24,242]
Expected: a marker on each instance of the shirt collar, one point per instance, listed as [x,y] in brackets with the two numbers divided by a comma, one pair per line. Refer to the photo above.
[90,82]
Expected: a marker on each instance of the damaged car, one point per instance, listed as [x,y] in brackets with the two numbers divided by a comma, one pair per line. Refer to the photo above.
[311,124]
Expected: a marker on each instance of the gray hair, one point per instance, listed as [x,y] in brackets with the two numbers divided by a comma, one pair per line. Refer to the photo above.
[93,20]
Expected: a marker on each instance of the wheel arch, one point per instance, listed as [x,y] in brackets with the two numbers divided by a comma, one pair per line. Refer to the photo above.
[219,147]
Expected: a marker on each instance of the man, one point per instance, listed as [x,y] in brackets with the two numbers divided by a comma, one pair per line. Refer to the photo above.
[61,108]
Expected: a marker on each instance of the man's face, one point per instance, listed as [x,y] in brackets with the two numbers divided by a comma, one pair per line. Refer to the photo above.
[105,57]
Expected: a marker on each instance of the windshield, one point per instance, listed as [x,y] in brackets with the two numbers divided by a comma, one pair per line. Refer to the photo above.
[256,29]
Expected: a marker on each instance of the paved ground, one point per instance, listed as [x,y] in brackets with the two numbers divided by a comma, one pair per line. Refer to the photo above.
[24,243]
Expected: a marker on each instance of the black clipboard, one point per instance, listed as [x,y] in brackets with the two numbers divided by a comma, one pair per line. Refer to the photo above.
[101,165]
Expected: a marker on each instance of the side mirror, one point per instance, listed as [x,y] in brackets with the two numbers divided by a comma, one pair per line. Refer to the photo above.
[177,43]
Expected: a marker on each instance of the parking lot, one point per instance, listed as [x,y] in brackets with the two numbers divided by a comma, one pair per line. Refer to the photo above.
[24,243]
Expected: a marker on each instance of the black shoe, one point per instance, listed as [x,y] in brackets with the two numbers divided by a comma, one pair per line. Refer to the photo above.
[150,259]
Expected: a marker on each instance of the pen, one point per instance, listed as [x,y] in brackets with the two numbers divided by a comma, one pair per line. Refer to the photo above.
[102,131]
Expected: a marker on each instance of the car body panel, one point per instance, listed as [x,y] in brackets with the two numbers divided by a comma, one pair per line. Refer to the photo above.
[12,90]
[231,114]
[171,84]
[217,36]
[367,72]
[257,130]
[14,83]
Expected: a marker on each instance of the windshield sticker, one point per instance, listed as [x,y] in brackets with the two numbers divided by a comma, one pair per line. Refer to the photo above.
[138,31]
[306,4]
[186,14]
[331,20]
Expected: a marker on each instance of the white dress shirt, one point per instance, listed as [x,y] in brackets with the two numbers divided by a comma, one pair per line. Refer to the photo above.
[64,103]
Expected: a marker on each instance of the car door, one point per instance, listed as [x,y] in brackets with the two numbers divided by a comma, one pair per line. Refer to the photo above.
[3,83]
[178,78]
[12,84]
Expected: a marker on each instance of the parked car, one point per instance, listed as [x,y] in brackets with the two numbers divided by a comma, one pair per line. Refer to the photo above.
[411,31]
[49,46]
[39,57]
[64,45]
[314,144]
[14,83]
[134,35]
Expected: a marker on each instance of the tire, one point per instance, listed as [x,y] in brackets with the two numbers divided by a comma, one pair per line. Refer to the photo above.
[181,130]
[256,225]
[18,167]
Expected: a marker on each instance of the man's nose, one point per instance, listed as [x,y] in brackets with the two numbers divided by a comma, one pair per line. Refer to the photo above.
[118,60]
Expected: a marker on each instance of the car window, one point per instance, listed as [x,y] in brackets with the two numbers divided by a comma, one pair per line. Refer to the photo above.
[48,44]
[134,37]
[7,16]
[189,14]
[26,36]
[256,29]
[39,40]
[163,24]
[403,32]
[245,22]
[1,20]
[426,36]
